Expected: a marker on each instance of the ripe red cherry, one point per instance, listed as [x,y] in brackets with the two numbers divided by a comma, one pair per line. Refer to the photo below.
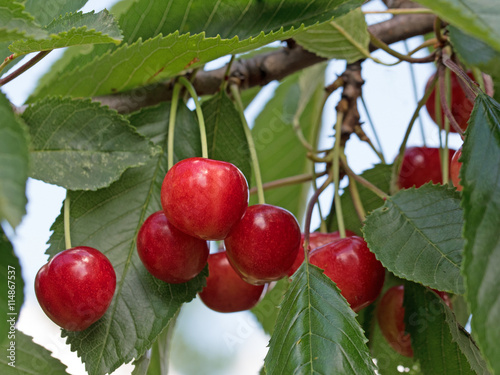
[353,267]
[226,291]
[461,106]
[421,165]
[455,166]
[264,244]
[390,316]
[75,287]
[316,239]
[204,198]
[169,254]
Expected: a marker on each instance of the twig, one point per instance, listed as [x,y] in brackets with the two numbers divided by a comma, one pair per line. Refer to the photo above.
[289,181]
[24,67]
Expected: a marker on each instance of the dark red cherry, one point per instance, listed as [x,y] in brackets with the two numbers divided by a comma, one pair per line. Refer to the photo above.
[75,287]
[204,198]
[461,106]
[264,244]
[316,239]
[353,267]
[421,165]
[169,254]
[226,291]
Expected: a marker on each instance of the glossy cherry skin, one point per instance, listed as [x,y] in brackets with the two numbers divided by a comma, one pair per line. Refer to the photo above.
[169,254]
[204,198]
[461,106]
[421,165]
[75,287]
[226,291]
[455,166]
[353,267]
[264,244]
[316,239]
[390,316]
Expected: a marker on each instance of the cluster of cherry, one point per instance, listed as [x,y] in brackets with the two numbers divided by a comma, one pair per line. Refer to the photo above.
[206,199]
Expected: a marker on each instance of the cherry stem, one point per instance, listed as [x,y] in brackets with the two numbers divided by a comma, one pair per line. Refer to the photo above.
[471,89]
[438,24]
[356,200]
[293,180]
[380,44]
[23,68]
[378,152]
[322,222]
[445,96]
[444,100]
[310,208]
[353,188]
[171,125]
[67,232]
[235,91]
[361,180]
[226,74]
[415,93]
[396,167]
[201,121]
[336,173]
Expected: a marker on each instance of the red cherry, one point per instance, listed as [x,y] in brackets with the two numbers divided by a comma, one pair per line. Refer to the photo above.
[455,166]
[316,239]
[461,106]
[353,267]
[204,198]
[264,244]
[169,254]
[226,291]
[390,316]
[421,165]
[75,287]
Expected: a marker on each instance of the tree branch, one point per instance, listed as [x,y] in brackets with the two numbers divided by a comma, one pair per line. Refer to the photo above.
[262,69]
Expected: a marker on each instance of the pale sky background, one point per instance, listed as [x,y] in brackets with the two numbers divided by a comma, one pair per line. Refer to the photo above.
[389,96]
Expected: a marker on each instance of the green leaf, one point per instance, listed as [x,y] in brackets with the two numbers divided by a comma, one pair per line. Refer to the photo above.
[475,52]
[479,18]
[46,11]
[156,361]
[417,235]
[108,220]
[163,57]
[227,18]
[73,29]
[14,160]
[11,289]
[480,201]
[225,133]
[16,23]
[316,330]
[4,52]
[80,145]
[281,154]
[268,308]
[380,176]
[30,358]
[344,38]
[438,342]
